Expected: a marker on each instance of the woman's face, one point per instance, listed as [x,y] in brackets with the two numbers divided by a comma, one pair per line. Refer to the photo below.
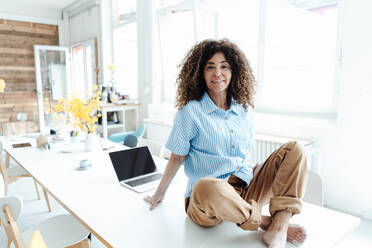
[217,73]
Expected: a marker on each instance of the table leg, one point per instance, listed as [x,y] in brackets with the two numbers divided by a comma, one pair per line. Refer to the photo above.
[37,190]
[47,199]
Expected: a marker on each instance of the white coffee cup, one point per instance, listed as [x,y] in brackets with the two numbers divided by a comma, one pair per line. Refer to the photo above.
[85,163]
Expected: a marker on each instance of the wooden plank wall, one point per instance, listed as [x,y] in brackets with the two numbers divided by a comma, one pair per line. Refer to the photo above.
[17,40]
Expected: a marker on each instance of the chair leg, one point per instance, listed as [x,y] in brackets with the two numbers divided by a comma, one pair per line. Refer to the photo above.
[85,243]
[47,199]
[37,190]
[7,160]
[5,187]
[4,174]
[82,244]
[12,230]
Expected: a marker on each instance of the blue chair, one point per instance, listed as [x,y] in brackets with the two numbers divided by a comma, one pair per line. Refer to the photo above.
[130,140]
[120,137]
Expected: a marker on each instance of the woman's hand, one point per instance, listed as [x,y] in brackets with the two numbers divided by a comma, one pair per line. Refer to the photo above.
[154,200]
[170,171]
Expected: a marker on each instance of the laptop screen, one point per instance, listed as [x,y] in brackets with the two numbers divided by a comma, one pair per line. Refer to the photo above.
[132,162]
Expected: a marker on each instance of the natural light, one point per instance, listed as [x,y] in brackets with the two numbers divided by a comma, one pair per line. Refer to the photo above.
[293,61]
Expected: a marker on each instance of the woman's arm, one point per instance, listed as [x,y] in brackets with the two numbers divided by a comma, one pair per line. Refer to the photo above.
[170,171]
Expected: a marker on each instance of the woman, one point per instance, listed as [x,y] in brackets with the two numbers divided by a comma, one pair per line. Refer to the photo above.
[213,136]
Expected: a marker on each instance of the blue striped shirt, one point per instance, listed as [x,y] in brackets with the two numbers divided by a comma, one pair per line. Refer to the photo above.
[217,142]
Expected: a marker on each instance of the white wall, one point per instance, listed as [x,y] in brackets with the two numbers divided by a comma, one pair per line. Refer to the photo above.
[26,12]
[347,168]
[85,26]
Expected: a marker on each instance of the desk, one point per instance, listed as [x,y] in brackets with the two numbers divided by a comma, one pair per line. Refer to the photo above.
[120,218]
[121,110]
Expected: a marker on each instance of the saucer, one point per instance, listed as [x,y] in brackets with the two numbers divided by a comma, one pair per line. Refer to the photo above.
[84,168]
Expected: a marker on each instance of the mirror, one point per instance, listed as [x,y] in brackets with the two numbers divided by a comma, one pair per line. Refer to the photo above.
[53,73]
[52,77]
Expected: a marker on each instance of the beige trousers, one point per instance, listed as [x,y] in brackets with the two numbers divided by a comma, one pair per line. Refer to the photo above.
[280,180]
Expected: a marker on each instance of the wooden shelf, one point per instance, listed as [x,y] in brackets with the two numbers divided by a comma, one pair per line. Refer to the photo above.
[109,126]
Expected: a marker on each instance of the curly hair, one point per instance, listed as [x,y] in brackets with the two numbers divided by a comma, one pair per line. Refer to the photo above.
[191,84]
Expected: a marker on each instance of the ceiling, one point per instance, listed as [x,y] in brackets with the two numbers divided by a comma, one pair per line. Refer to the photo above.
[43,4]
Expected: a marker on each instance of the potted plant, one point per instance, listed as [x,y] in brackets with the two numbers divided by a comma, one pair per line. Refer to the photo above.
[81,115]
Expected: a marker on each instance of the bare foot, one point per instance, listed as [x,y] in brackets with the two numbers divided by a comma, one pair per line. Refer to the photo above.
[276,234]
[296,234]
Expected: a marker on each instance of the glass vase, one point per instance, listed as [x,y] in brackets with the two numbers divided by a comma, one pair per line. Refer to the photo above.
[91,142]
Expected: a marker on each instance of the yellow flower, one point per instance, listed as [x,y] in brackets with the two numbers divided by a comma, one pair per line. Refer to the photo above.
[82,114]
[112,67]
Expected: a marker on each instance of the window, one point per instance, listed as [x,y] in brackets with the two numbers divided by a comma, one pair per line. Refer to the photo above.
[174,43]
[299,59]
[290,45]
[125,39]
[83,69]
[125,48]
[239,22]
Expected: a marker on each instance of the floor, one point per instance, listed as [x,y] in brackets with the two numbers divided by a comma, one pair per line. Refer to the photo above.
[36,210]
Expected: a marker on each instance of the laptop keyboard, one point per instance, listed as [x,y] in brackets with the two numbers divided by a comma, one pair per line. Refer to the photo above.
[144,180]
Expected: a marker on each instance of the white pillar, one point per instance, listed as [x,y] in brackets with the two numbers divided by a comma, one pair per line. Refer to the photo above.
[144,39]
[105,40]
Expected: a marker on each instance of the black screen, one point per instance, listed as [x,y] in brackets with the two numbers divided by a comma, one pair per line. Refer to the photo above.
[132,162]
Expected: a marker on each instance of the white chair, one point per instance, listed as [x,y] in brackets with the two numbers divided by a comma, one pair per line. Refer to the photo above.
[155,148]
[58,231]
[314,189]
[11,174]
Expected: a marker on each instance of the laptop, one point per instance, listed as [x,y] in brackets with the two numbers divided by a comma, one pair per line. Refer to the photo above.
[136,169]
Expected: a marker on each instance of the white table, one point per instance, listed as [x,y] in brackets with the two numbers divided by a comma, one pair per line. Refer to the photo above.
[120,218]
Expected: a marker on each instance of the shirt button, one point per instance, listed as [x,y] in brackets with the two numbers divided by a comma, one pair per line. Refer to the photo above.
[233,146]
[237,167]
[231,131]
[226,118]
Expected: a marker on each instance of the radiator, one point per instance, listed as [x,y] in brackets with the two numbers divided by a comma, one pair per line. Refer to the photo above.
[264,145]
